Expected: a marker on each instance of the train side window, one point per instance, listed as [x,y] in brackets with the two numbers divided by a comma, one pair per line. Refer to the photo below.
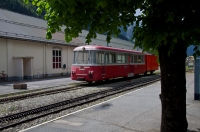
[131,61]
[112,57]
[126,58]
[119,58]
[135,59]
[75,54]
[107,57]
[139,58]
[102,57]
[142,59]
[99,57]
[123,58]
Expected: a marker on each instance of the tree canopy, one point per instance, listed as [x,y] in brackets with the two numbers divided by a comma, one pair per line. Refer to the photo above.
[160,19]
[166,26]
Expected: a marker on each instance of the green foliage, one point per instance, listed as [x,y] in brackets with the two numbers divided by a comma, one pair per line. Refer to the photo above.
[161,22]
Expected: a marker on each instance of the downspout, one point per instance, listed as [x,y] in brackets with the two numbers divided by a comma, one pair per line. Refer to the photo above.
[7,56]
[67,61]
[46,46]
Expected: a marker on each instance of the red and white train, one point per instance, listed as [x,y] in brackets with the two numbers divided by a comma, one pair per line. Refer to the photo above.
[96,63]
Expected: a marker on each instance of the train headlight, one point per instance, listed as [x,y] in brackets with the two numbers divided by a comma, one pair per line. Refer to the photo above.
[73,72]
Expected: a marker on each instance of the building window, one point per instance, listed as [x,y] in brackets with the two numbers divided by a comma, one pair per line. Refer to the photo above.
[56,58]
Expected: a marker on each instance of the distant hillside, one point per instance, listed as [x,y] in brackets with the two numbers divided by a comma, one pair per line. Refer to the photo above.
[20,7]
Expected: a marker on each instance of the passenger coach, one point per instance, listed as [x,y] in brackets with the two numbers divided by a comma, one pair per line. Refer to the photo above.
[96,63]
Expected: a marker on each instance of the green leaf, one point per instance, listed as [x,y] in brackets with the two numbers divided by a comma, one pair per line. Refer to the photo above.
[47,6]
[33,3]
[26,1]
[170,18]
[175,40]
[48,35]
[39,11]
[168,53]
[108,38]
[53,30]
[39,3]
[72,10]
[101,3]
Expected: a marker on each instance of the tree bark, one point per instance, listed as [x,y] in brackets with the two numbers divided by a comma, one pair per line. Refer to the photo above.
[173,88]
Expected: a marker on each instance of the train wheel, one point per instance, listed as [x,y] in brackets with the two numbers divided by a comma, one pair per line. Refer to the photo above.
[151,72]
[145,73]
[99,82]
[90,82]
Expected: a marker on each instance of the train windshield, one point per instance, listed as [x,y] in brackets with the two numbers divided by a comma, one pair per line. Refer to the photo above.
[81,57]
[88,57]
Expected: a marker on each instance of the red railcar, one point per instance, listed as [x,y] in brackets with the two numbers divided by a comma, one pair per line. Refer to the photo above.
[96,63]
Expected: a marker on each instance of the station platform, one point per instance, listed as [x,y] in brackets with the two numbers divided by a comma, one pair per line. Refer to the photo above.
[138,111]
[7,87]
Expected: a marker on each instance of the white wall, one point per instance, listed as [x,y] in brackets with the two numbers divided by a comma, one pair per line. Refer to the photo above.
[27,67]
[23,58]
[67,55]
[30,49]
[18,68]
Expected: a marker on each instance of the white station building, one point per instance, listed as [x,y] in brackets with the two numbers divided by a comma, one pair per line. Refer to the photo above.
[25,53]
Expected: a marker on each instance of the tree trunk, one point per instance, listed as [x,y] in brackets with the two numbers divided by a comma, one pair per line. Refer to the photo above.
[173,88]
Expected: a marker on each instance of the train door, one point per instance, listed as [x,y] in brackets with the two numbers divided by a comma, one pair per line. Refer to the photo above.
[103,62]
[129,61]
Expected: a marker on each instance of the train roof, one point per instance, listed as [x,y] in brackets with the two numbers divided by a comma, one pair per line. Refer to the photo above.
[96,47]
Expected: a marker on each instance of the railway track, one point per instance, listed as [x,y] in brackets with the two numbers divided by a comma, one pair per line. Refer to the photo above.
[36,94]
[48,92]
[30,115]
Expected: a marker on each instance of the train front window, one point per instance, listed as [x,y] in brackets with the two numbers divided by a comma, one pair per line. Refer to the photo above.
[92,57]
[81,57]
[85,57]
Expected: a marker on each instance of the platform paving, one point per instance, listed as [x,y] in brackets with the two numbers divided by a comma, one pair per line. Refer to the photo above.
[138,111]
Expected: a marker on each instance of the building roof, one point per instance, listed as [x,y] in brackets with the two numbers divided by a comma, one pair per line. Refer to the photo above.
[17,26]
